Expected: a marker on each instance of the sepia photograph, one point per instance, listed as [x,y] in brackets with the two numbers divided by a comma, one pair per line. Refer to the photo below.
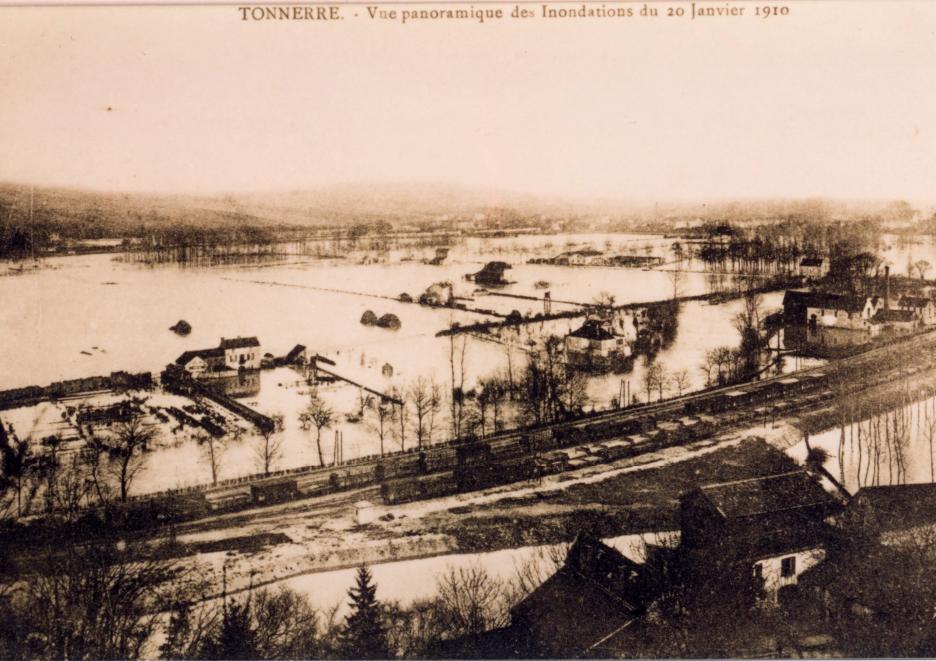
[437,330]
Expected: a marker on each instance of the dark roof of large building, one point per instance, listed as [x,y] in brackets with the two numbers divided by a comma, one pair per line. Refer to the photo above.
[812,261]
[893,315]
[187,356]
[815,299]
[896,506]
[766,495]
[914,301]
[593,329]
[239,342]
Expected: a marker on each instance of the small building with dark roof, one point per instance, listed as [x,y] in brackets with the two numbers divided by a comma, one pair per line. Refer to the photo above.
[492,274]
[814,267]
[924,309]
[298,355]
[895,321]
[595,595]
[201,361]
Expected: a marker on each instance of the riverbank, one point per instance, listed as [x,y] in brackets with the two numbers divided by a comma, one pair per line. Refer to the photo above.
[631,496]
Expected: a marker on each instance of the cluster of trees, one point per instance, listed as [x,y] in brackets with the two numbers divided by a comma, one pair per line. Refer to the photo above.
[778,247]
[726,365]
[657,380]
[62,484]
[110,599]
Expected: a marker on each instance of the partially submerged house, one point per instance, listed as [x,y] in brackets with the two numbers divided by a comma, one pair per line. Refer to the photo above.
[441,254]
[834,319]
[596,343]
[240,353]
[438,294]
[492,275]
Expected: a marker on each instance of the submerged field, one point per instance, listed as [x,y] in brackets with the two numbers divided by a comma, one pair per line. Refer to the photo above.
[90,315]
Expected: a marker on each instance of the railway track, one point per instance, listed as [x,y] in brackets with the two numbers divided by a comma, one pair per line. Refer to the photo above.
[852,373]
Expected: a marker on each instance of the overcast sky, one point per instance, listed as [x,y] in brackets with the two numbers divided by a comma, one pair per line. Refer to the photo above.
[839,99]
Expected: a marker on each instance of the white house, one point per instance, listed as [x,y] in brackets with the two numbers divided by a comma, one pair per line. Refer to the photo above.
[840,311]
[782,570]
[596,337]
[814,267]
[241,353]
[774,524]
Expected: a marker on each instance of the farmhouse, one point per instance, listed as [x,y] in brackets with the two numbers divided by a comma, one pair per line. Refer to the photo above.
[241,352]
[231,354]
[595,337]
[773,525]
[201,361]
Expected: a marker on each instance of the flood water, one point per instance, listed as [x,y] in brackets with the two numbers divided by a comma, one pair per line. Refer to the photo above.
[94,314]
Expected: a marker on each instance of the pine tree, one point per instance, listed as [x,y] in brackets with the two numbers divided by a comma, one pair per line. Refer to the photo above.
[177,633]
[237,636]
[363,636]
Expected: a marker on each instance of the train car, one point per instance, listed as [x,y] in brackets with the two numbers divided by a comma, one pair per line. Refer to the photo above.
[617,449]
[400,491]
[400,465]
[640,443]
[440,484]
[357,475]
[265,493]
[229,498]
[571,436]
[668,433]
[315,483]
[539,440]
[437,459]
[596,449]
[555,460]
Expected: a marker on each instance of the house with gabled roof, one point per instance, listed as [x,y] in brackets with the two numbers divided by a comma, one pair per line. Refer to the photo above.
[240,353]
[814,267]
[775,524]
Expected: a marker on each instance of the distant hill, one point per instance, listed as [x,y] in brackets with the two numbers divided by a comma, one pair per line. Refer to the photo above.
[94,214]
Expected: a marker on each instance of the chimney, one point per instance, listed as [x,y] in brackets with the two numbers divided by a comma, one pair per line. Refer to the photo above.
[887,287]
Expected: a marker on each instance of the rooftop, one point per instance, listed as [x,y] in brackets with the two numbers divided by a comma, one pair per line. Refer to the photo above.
[893,315]
[811,299]
[914,301]
[592,596]
[239,342]
[593,329]
[896,506]
[766,495]
[187,356]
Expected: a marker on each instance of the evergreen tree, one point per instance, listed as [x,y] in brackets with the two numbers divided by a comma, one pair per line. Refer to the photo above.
[363,636]
[236,637]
